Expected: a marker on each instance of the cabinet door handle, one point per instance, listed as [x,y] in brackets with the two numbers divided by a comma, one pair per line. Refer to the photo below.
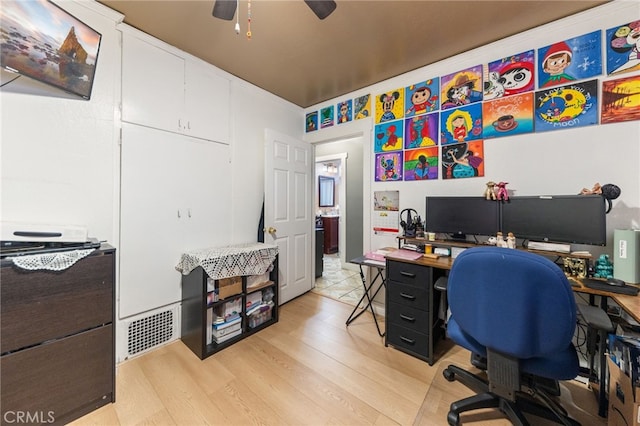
[406,318]
[407,340]
[408,296]
[407,274]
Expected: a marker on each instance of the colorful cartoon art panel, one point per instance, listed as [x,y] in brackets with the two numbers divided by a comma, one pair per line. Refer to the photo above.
[388,136]
[573,59]
[462,124]
[345,113]
[362,107]
[573,105]
[421,130]
[461,88]
[509,76]
[421,164]
[326,117]
[390,106]
[623,48]
[311,122]
[621,100]
[463,160]
[508,116]
[388,166]
[422,97]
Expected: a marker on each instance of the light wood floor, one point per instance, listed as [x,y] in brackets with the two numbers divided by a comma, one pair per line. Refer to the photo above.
[308,369]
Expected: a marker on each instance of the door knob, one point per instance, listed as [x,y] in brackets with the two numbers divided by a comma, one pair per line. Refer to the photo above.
[270,230]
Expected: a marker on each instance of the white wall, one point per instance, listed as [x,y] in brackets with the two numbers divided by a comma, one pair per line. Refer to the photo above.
[558,162]
[60,155]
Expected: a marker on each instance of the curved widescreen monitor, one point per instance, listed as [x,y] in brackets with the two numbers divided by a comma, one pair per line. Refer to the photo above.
[460,216]
[44,42]
[578,219]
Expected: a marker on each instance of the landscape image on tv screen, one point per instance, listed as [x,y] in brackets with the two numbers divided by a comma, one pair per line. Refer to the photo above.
[42,41]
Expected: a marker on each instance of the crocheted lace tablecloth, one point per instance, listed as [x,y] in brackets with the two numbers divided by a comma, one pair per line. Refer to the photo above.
[55,261]
[230,261]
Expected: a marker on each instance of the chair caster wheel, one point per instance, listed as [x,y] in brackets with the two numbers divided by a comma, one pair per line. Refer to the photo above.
[453,419]
[449,375]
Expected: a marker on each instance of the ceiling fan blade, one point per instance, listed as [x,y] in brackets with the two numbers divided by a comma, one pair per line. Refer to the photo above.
[225,9]
[322,8]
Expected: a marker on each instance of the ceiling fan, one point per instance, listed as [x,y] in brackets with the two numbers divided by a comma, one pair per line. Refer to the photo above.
[225,9]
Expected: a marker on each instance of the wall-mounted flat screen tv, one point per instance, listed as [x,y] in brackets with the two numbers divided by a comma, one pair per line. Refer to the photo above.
[461,216]
[44,42]
[578,219]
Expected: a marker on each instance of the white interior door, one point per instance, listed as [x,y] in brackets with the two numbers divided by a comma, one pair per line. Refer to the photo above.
[288,214]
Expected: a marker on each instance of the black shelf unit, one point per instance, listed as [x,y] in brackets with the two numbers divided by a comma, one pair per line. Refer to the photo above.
[195,306]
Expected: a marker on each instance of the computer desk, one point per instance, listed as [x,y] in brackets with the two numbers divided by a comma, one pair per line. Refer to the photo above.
[630,304]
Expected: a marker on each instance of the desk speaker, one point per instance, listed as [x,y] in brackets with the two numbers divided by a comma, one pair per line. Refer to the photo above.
[626,255]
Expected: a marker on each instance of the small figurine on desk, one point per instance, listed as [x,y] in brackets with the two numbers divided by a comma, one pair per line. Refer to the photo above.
[604,267]
[502,194]
[500,242]
[490,192]
[511,240]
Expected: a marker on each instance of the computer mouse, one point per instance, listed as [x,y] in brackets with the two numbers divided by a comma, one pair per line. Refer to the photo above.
[615,282]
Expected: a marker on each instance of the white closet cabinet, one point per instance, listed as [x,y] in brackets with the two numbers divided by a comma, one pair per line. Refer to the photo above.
[174,198]
[167,89]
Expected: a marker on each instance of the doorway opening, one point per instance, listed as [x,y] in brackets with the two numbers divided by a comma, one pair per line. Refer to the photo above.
[339,223]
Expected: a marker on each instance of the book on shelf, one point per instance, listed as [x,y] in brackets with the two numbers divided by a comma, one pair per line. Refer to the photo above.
[228,322]
[228,336]
[218,333]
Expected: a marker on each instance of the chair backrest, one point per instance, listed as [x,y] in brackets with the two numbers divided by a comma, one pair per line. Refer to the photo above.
[515,302]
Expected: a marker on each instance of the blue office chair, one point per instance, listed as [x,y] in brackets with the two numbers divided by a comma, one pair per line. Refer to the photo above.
[516,310]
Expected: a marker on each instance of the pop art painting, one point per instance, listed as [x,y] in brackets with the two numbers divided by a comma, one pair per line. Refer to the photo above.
[362,107]
[621,100]
[463,160]
[421,164]
[573,59]
[326,117]
[345,113]
[421,98]
[388,136]
[311,122]
[388,166]
[509,76]
[390,106]
[573,105]
[508,116]
[462,124]
[461,88]
[623,48]
[421,130]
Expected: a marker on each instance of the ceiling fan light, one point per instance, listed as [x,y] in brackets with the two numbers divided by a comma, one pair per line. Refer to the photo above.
[322,8]
[225,9]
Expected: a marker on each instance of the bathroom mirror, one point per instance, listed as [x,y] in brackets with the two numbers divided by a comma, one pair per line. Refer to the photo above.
[326,191]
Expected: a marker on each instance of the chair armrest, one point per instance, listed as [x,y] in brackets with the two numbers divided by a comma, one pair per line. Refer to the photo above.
[441,284]
[595,317]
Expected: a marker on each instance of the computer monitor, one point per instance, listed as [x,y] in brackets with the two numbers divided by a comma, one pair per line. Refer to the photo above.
[461,216]
[578,219]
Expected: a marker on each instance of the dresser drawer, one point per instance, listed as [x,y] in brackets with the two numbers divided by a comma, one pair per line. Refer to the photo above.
[409,317]
[408,339]
[60,378]
[408,295]
[408,273]
[37,306]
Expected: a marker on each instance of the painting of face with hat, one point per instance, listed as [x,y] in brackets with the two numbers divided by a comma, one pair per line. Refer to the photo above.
[461,88]
[569,60]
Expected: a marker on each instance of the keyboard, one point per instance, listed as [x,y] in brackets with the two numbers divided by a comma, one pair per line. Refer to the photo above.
[604,286]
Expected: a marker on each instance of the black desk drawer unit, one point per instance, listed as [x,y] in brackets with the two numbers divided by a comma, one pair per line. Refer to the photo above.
[411,318]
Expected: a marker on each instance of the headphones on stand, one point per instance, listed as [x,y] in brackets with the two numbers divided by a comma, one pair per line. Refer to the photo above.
[410,224]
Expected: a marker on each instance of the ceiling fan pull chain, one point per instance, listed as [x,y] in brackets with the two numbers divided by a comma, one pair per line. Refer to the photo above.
[249,20]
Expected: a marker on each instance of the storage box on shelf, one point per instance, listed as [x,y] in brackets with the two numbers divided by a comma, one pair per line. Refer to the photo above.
[217,312]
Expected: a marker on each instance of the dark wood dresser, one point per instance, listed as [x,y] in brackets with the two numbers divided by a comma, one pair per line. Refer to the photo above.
[57,340]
